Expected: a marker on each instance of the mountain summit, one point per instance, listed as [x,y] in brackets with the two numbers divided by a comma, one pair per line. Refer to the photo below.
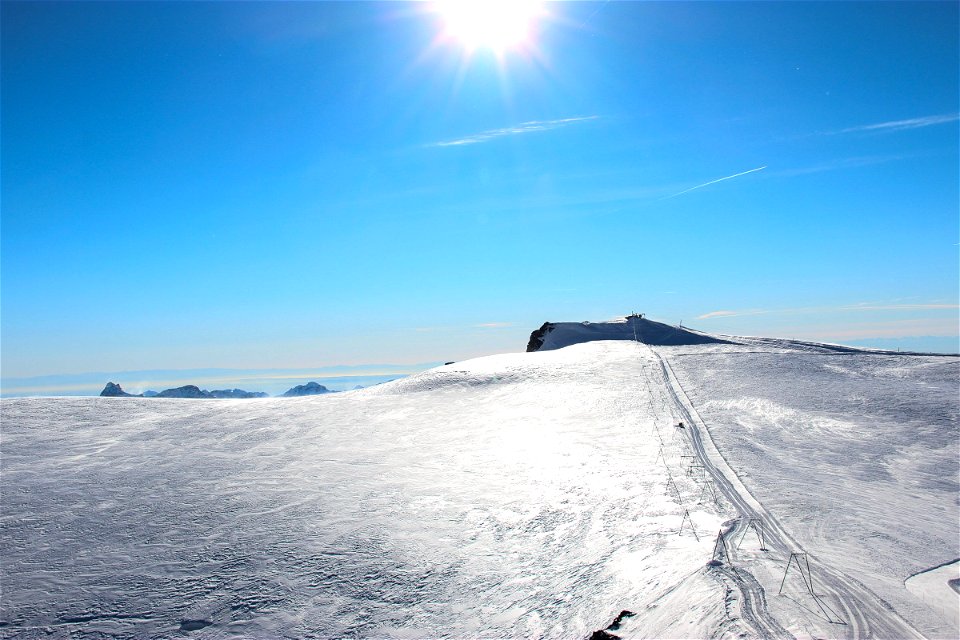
[555,335]
[114,390]
[309,389]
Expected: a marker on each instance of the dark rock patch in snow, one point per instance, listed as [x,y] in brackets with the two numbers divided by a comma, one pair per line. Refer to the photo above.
[620,618]
[604,634]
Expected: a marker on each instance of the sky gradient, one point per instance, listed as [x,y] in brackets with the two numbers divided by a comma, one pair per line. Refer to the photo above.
[298,185]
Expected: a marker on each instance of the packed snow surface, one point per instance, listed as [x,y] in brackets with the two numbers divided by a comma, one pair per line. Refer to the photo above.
[523,495]
[939,588]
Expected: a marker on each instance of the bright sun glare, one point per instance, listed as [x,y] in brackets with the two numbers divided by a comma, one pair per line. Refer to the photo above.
[492,24]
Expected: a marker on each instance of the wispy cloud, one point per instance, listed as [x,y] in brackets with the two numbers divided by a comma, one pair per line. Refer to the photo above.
[838,164]
[482,325]
[910,327]
[898,307]
[849,307]
[725,314]
[524,127]
[706,184]
[900,125]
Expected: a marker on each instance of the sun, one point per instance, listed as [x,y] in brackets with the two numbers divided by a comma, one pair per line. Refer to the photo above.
[497,25]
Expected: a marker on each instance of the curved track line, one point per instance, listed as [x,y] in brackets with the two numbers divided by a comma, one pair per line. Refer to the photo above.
[865,615]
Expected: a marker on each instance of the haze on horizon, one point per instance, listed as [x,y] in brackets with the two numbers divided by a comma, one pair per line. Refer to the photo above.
[297,185]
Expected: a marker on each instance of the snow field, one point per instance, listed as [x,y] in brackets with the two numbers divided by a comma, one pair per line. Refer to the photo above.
[510,496]
[524,495]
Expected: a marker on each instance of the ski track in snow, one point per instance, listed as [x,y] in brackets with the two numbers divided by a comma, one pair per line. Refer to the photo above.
[862,611]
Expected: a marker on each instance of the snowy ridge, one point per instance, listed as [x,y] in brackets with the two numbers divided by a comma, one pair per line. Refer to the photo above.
[635,328]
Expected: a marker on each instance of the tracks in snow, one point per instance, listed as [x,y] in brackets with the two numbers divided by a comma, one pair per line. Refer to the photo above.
[864,615]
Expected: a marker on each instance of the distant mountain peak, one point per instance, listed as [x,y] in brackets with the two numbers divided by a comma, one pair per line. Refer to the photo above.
[309,389]
[113,390]
[186,391]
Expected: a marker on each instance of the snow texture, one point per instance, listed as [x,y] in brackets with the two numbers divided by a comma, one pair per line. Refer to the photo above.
[855,453]
[521,495]
[510,496]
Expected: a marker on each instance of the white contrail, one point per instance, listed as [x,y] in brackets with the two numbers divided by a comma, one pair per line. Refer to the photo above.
[900,125]
[736,175]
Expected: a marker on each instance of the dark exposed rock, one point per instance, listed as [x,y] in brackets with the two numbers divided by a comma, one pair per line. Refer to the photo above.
[115,391]
[309,389]
[605,634]
[620,618]
[536,338]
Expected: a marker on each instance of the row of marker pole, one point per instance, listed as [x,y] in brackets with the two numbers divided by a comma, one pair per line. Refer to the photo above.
[799,558]
[753,523]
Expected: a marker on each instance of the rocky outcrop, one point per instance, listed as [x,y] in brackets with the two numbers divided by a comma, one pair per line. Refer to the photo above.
[309,389]
[113,390]
[605,634]
[536,338]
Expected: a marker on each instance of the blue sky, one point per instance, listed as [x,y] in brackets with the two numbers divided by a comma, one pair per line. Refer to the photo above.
[291,185]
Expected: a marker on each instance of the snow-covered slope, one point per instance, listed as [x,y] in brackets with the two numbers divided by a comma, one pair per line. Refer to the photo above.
[522,495]
[510,496]
[855,452]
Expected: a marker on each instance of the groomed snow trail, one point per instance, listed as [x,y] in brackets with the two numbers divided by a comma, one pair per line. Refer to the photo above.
[862,613]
